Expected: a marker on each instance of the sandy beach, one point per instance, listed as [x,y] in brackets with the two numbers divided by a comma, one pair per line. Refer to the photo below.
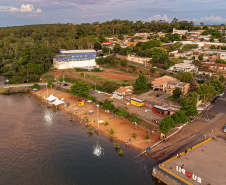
[122,128]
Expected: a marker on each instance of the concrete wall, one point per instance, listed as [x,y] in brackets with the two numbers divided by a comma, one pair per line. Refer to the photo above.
[164,178]
[74,64]
[18,89]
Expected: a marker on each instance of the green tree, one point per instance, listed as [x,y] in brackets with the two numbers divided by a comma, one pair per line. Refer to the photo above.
[219,88]
[212,47]
[189,104]
[92,98]
[221,78]
[120,37]
[190,110]
[97,46]
[153,70]
[124,63]
[166,124]
[197,63]
[206,92]
[110,86]
[141,83]
[117,48]
[80,88]
[105,50]
[200,57]
[177,93]
[179,117]
[107,105]
[185,77]
[121,112]
[159,54]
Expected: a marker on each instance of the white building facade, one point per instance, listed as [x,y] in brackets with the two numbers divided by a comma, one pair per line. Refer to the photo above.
[75,59]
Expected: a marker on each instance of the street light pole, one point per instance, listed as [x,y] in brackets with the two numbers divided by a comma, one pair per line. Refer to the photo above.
[7,81]
[95,86]
[145,113]
[98,115]
[47,89]
[127,106]
[99,94]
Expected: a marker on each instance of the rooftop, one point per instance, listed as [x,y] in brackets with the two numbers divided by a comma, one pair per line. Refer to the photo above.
[78,51]
[207,162]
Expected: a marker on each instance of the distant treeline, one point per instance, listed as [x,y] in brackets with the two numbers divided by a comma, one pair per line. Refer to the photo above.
[26,52]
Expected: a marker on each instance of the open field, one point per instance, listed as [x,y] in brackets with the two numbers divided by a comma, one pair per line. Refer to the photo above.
[96,77]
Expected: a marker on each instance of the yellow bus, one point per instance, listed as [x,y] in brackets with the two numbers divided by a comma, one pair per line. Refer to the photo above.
[137,102]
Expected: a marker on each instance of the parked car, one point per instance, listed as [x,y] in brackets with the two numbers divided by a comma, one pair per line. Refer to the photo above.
[214,101]
[217,98]
[192,119]
[224,129]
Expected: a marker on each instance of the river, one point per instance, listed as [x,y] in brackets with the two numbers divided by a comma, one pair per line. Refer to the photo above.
[39,146]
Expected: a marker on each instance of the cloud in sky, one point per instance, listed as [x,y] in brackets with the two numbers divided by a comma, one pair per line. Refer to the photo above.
[158,18]
[25,9]
[58,11]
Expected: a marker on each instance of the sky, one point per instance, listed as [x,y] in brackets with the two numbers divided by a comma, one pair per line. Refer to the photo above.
[26,12]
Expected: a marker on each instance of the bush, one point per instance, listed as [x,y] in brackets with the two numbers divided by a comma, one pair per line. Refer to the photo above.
[134,135]
[121,153]
[147,136]
[92,98]
[116,145]
[36,86]
[80,69]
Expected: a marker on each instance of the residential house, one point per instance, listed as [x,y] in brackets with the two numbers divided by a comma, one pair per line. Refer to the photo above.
[75,58]
[131,44]
[216,66]
[179,31]
[184,67]
[161,84]
[117,95]
[125,91]
[140,60]
[142,35]
[172,85]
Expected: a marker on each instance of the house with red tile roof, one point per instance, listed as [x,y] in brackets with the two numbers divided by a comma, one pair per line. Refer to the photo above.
[161,84]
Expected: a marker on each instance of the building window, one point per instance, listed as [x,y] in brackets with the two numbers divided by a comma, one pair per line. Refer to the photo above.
[80,55]
[85,55]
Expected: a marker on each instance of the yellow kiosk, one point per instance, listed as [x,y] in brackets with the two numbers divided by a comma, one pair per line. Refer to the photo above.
[80,103]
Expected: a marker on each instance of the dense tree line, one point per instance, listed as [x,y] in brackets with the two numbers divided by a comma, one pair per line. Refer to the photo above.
[26,52]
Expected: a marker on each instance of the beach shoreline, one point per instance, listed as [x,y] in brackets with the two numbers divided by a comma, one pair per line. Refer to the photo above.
[123,128]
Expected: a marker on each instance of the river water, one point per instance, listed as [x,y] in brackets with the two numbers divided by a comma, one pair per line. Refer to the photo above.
[39,146]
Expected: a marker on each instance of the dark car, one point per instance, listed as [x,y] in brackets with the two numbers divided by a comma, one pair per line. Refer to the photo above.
[214,101]
[217,98]
[191,119]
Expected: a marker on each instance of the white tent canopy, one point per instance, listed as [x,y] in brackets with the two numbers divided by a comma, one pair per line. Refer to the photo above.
[101,121]
[57,102]
[51,98]
[89,101]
